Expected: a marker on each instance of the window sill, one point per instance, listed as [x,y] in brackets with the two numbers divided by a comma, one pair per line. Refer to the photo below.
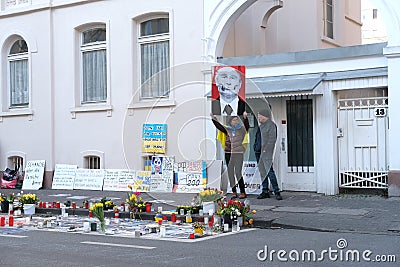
[17,112]
[92,108]
[329,41]
[150,104]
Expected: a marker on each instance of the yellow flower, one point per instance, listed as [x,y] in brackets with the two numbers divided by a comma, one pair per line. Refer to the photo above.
[254,212]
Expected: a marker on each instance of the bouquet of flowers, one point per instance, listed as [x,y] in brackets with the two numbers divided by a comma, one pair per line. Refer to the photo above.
[234,209]
[29,199]
[135,202]
[107,203]
[8,198]
[98,211]
[198,225]
[210,195]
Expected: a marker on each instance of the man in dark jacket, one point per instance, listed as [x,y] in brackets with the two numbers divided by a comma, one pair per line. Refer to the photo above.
[264,146]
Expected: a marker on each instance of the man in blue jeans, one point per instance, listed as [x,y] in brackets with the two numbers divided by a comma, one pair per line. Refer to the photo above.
[264,146]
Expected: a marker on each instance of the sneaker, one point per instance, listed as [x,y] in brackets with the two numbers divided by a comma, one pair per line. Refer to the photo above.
[263,195]
[234,195]
[278,196]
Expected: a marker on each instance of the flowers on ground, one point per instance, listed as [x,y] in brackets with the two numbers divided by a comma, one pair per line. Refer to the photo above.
[29,199]
[9,198]
[107,203]
[234,209]
[98,211]
[210,195]
[198,225]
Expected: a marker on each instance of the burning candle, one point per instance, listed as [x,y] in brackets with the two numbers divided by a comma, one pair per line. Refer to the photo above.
[173,217]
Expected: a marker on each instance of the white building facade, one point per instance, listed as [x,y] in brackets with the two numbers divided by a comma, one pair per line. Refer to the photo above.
[79,79]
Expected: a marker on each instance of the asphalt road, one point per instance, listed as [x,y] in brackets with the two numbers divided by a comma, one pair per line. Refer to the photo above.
[42,248]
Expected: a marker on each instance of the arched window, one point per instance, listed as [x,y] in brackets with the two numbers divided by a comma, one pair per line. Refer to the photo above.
[18,74]
[94,65]
[92,162]
[154,53]
[16,163]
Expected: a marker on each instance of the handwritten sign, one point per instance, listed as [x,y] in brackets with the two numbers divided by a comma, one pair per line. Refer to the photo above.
[154,138]
[142,182]
[125,178]
[110,182]
[34,172]
[189,182]
[64,176]
[163,181]
[89,179]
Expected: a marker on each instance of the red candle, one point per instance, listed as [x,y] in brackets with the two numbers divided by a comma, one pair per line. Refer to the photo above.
[173,217]
[58,204]
[2,221]
[165,218]
[200,219]
[40,204]
[11,221]
[44,204]
[159,222]
[191,236]
[148,207]
[86,204]
[90,214]
[73,205]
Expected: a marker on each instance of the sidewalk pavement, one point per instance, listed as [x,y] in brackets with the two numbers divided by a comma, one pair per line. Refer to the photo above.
[298,210]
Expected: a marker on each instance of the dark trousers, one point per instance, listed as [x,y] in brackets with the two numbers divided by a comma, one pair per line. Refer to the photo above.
[234,161]
[270,176]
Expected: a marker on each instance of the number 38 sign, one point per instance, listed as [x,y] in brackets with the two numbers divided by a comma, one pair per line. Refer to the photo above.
[380,112]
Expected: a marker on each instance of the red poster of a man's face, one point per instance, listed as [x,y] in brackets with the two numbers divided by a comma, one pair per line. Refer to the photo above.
[228,88]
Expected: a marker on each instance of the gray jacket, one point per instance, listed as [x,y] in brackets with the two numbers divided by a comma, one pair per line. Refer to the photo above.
[268,137]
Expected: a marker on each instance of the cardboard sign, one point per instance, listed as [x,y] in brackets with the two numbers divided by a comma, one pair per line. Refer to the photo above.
[64,176]
[189,182]
[162,174]
[89,179]
[142,182]
[34,172]
[110,182]
[125,178]
[251,177]
[154,138]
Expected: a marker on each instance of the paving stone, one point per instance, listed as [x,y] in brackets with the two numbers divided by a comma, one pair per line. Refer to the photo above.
[297,209]
[344,211]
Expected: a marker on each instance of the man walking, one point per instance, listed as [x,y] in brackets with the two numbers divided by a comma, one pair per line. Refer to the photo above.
[264,147]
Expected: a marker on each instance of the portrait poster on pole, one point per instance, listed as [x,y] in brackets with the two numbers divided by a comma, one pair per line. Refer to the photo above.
[34,172]
[228,90]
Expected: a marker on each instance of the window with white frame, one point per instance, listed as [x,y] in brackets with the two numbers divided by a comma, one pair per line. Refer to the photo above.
[92,162]
[94,65]
[328,18]
[18,74]
[16,163]
[154,53]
